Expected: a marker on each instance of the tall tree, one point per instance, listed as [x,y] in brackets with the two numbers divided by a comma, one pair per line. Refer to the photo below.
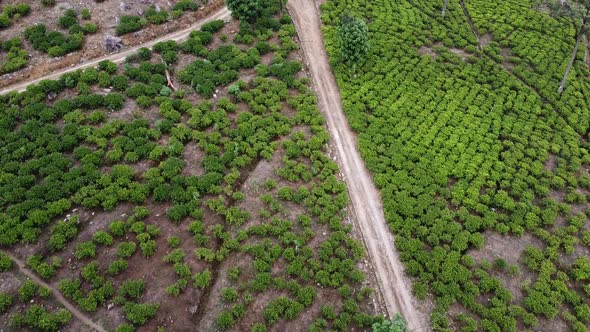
[578,11]
[353,39]
[246,10]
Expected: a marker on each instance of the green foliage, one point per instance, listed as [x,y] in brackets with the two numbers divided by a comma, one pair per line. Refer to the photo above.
[225,320]
[139,313]
[13,12]
[5,262]
[397,324]
[85,250]
[229,294]
[213,26]
[117,266]
[202,279]
[131,289]
[85,14]
[16,56]
[129,23]
[27,290]
[245,10]
[36,317]
[102,237]
[48,3]
[65,147]
[353,39]
[5,302]
[126,249]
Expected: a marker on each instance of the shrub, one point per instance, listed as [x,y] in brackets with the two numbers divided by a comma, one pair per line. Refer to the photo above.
[139,314]
[126,249]
[213,26]
[102,237]
[131,288]
[85,250]
[117,228]
[48,3]
[5,262]
[129,23]
[245,10]
[184,5]
[27,290]
[36,317]
[397,324]
[5,302]
[229,294]
[68,19]
[117,266]
[225,320]
[85,13]
[202,279]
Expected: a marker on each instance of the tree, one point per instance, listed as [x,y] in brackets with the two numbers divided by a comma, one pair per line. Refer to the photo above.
[244,9]
[353,39]
[576,10]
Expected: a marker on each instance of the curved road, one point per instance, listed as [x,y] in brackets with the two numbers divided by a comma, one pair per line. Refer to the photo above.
[366,201]
[178,36]
[58,296]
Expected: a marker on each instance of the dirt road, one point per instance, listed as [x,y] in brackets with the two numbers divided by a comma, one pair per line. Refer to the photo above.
[178,36]
[366,201]
[60,298]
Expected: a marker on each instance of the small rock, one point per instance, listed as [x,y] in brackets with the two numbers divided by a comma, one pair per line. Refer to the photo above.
[112,43]
[110,306]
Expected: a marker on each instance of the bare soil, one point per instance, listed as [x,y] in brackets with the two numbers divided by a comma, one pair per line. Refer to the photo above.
[366,203]
[510,249]
[426,50]
[485,39]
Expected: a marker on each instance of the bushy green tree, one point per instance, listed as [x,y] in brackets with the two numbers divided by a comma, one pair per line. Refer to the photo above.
[353,39]
[245,10]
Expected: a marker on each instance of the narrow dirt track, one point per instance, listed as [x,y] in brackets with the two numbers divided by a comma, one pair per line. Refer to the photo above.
[366,201]
[178,36]
[60,298]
